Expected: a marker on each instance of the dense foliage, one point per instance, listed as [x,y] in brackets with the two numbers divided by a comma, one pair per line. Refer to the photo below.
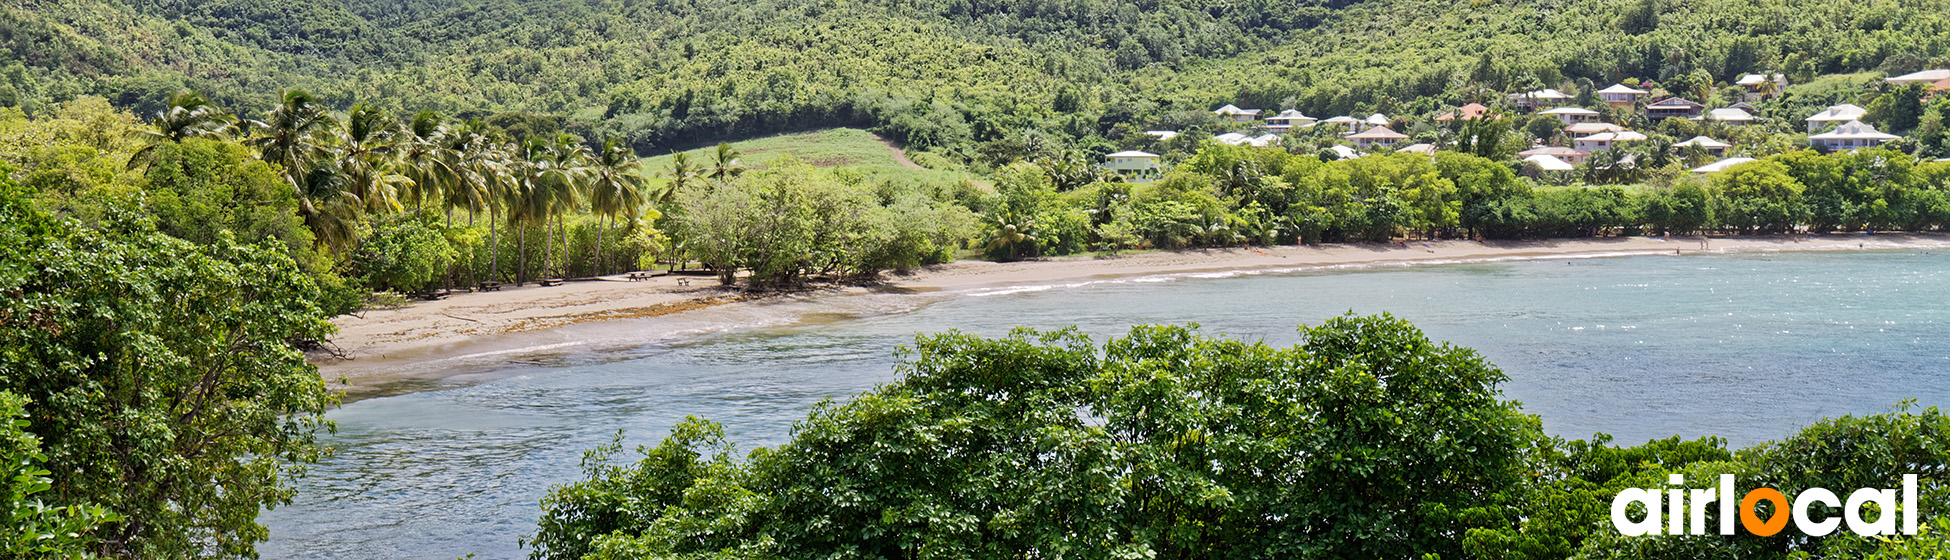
[1365,440]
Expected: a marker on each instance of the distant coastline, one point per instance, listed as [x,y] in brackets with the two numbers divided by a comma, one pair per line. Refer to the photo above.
[383,344]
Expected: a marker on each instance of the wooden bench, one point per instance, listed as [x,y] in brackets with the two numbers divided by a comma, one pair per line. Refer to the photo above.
[431,295]
[488,287]
[551,282]
[646,275]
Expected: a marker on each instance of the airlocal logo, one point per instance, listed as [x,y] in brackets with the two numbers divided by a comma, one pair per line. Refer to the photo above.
[1681,504]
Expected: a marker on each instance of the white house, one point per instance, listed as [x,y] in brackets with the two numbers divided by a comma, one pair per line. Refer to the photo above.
[1605,140]
[1135,164]
[1379,135]
[1731,115]
[1236,114]
[1620,96]
[1548,163]
[1673,107]
[1834,115]
[1752,83]
[1344,152]
[1288,120]
[1560,153]
[1712,146]
[1588,128]
[1721,165]
[1376,119]
[1924,77]
[1541,98]
[1849,136]
[1572,115]
[1162,134]
[1418,148]
[1352,124]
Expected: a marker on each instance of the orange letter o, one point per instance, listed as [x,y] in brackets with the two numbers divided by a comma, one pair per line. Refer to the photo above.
[1752,522]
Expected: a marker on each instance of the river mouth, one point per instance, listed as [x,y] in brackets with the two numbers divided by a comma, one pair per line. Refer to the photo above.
[1750,347]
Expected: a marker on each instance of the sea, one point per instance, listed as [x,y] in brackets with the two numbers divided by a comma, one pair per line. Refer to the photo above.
[1751,347]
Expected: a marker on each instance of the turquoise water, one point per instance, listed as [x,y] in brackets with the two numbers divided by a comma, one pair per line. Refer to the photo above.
[1750,347]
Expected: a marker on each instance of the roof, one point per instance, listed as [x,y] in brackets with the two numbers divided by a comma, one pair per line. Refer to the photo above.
[1545,93]
[1729,114]
[1752,79]
[1918,77]
[1231,110]
[1554,151]
[1379,133]
[1620,136]
[1376,119]
[1675,103]
[1548,163]
[1853,130]
[1470,111]
[1568,111]
[1345,152]
[1703,141]
[1164,134]
[1839,113]
[1342,120]
[1291,115]
[1722,165]
[1592,128]
[1132,153]
[1620,88]
[1418,149]
[1231,138]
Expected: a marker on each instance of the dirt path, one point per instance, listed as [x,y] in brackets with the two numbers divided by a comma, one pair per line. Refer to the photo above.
[899,154]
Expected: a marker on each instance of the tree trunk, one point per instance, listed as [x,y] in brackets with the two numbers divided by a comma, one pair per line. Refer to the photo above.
[562,224]
[494,244]
[521,253]
[601,228]
[548,246]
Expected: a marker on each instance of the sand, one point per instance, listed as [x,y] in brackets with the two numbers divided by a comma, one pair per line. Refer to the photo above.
[383,343]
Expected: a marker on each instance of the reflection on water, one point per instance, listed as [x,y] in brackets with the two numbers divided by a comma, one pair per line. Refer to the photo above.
[1748,347]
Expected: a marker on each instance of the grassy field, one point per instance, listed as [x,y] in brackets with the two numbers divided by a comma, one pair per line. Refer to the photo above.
[851,149]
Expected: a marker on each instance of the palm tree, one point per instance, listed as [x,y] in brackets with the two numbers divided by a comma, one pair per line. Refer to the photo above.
[189,115]
[565,186]
[298,136]
[724,163]
[366,158]
[615,189]
[427,158]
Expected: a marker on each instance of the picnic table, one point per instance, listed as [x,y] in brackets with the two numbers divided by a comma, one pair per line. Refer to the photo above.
[551,281]
[646,275]
[488,287]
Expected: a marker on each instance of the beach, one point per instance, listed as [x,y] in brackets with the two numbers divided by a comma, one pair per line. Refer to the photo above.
[383,344]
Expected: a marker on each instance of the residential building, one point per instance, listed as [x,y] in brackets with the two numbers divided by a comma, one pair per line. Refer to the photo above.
[1674,107]
[1418,148]
[1756,85]
[1721,165]
[1548,163]
[1134,164]
[1471,111]
[1849,136]
[1538,99]
[1620,96]
[1162,134]
[1731,115]
[1589,128]
[1560,153]
[1924,77]
[1379,135]
[1289,120]
[1605,140]
[1714,147]
[1351,125]
[1835,115]
[1376,119]
[1572,115]
[1236,114]
[1344,152]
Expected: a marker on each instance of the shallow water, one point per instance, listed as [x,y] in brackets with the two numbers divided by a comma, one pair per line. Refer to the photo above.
[1750,347]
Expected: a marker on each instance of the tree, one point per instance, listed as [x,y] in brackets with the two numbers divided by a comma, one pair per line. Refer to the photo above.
[34,529]
[189,115]
[367,156]
[298,137]
[616,189]
[724,163]
[162,376]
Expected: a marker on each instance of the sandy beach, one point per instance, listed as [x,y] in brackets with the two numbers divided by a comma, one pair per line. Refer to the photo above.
[381,342]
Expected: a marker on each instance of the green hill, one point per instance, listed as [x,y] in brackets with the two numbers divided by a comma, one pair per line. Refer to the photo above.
[856,151]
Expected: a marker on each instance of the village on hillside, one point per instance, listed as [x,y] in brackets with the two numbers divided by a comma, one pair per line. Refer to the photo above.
[1589,136]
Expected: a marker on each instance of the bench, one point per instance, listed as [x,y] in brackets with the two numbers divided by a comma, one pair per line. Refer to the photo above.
[431,295]
[551,282]
[488,287]
[646,275]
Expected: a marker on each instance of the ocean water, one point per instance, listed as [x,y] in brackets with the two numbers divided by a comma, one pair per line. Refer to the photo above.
[1750,347]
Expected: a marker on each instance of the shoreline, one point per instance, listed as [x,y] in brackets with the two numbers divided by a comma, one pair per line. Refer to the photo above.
[389,348]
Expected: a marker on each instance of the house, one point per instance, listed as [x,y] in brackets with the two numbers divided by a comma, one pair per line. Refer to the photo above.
[1379,135]
[1237,139]
[1548,163]
[1560,153]
[1756,88]
[1134,164]
[1731,115]
[1715,147]
[1572,115]
[1605,140]
[1162,134]
[1620,96]
[1541,98]
[1418,148]
[1289,120]
[1351,124]
[1837,114]
[1236,114]
[1721,165]
[1672,107]
[1471,111]
[1583,129]
[1376,119]
[1345,152]
[1924,77]
[1849,136]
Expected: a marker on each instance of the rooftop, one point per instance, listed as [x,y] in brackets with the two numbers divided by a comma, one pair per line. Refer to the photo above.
[1839,113]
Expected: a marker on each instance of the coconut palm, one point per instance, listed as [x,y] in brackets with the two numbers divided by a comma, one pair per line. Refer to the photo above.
[615,188]
[566,187]
[298,136]
[366,159]
[189,115]
[427,158]
[724,163]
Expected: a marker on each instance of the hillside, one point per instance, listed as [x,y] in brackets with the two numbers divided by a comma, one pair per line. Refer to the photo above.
[965,76]
[854,151]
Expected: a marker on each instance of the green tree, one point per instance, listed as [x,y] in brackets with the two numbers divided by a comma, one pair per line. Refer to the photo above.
[34,529]
[616,189]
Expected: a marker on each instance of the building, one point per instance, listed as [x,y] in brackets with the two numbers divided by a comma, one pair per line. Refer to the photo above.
[1162,134]
[1289,120]
[1851,135]
[1924,77]
[1755,85]
[1605,140]
[1379,135]
[1344,152]
[1468,112]
[1560,153]
[1731,115]
[1585,129]
[1714,147]
[1418,148]
[1236,114]
[1538,99]
[1134,164]
[1674,107]
[1351,124]
[1620,96]
[1835,115]
[1376,119]
[1721,165]
[1548,163]
[1572,115]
